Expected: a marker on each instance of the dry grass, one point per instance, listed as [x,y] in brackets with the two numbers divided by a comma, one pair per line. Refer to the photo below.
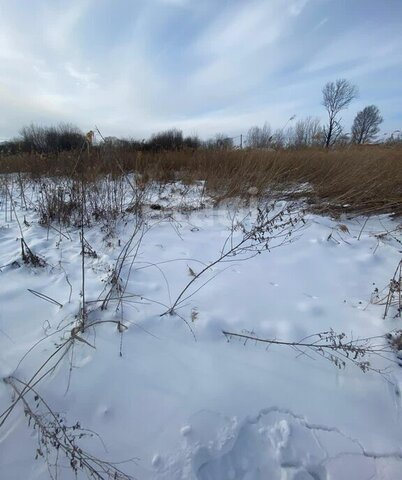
[362,179]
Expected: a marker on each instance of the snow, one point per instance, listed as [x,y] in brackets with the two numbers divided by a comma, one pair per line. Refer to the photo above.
[204,408]
[186,430]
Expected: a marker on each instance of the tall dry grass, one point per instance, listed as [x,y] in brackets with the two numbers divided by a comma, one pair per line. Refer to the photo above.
[360,179]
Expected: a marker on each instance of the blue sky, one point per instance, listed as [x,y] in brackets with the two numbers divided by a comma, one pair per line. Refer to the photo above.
[205,66]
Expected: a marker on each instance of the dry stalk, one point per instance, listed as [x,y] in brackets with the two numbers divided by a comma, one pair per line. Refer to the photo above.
[270,229]
[58,442]
[336,348]
[391,296]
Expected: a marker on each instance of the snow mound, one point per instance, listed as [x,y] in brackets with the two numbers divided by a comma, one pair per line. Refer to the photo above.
[274,445]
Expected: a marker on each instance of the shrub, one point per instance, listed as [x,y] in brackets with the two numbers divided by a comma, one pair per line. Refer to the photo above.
[38,139]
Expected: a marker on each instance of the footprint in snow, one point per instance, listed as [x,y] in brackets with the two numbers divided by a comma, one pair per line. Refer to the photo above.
[263,450]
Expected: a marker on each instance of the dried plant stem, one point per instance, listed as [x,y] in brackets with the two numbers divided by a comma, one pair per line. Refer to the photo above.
[330,345]
[55,435]
[253,241]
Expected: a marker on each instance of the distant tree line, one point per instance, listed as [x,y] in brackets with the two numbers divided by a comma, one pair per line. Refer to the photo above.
[66,137]
[40,139]
[307,132]
[170,140]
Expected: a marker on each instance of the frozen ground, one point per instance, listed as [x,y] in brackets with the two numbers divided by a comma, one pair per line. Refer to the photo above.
[206,409]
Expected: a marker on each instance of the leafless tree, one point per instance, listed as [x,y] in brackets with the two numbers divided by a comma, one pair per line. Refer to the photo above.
[64,136]
[366,125]
[336,97]
[279,139]
[307,132]
[221,141]
[259,137]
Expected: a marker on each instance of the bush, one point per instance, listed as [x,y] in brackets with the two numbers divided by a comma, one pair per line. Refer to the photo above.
[167,140]
[64,137]
[11,147]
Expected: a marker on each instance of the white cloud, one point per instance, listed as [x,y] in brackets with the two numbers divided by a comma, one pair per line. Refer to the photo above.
[320,24]
[86,78]
[365,48]
[175,3]
[297,7]
[202,66]
[251,26]
[60,22]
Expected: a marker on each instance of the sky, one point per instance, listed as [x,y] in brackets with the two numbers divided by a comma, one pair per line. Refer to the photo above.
[134,67]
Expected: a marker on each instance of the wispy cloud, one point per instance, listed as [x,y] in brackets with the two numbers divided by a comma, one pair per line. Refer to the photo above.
[85,78]
[138,66]
[297,6]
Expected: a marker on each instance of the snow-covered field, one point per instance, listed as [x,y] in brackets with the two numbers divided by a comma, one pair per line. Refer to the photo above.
[181,401]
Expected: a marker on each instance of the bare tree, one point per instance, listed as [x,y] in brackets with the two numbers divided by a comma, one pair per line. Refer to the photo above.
[336,97]
[259,137]
[279,139]
[39,139]
[366,125]
[306,132]
[223,142]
